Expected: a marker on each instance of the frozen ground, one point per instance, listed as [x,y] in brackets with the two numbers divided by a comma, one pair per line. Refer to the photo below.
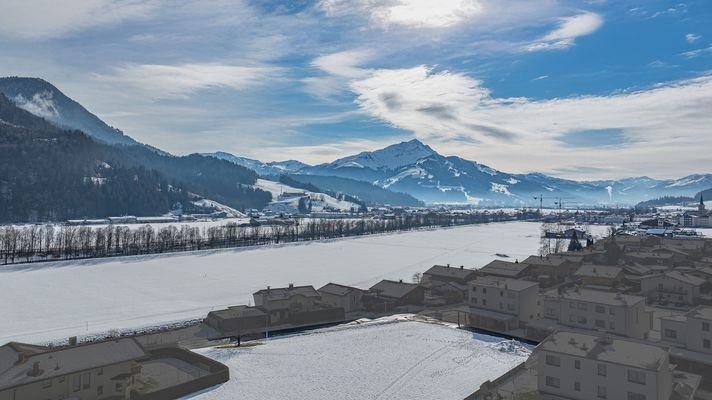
[378,360]
[51,301]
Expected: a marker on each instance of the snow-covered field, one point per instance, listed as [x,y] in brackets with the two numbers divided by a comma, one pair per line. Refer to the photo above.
[320,201]
[378,360]
[50,301]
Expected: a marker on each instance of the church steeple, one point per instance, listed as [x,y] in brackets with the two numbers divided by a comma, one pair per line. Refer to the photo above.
[701,207]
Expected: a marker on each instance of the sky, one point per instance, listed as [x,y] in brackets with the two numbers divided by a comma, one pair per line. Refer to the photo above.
[578,89]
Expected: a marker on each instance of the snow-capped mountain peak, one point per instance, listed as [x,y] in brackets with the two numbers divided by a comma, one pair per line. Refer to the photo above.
[391,158]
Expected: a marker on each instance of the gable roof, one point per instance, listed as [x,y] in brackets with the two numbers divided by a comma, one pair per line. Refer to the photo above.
[240,311]
[700,312]
[393,289]
[446,271]
[503,283]
[67,360]
[550,260]
[599,271]
[679,276]
[597,296]
[504,268]
[338,290]
[285,293]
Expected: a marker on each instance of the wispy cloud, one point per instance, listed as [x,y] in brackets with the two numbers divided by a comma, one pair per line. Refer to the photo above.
[692,38]
[31,19]
[408,13]
[541,77]
[171,81]
[568,30]
[697,52]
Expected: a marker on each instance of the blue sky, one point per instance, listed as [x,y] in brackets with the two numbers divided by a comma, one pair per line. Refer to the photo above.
[580,89]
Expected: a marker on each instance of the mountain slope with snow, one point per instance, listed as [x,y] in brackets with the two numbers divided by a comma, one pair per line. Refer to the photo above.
[272,168]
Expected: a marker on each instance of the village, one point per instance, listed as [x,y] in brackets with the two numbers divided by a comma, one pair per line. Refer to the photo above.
[625,317]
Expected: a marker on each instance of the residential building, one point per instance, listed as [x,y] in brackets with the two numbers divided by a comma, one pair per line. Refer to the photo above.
[554,266]
[587,367]
[386,295]
[294,306]
[238,321]
[346,297]
[619,314]
[672,287]
[692,330]
[448,283]
[502,304]
[506,269]
[599,275]
[102,370]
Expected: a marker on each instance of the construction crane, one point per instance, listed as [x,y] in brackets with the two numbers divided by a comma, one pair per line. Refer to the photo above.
[559,201]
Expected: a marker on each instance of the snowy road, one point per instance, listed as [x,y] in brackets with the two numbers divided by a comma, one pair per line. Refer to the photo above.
[396,360]
[50,301]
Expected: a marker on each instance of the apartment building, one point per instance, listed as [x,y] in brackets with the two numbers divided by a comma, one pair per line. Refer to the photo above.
[601,275]
[672,287]
[503,304]
[620,314]
[693,330]
[587,367]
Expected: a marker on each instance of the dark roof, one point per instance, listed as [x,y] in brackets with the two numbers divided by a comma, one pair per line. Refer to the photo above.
[503,283]
[65,360]
[551,260]
[238,312]
[678,276]
[393,289]
[287,292]
[504,268]
[447,271]
[599,271]
[338,290]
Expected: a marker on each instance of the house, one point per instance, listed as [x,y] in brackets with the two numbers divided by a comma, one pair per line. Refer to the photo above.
[294,306]
[581,366]
[673,287]
[102,370]
[238,321]
[346,297]
[692,330]
[603,275]
[554,266]
[506,269]
[386,295]
[619,314]
[649,257]
[503,304]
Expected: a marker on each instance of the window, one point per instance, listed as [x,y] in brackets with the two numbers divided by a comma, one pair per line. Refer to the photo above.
[501,307]
[484,302]
[600,323]
[474,300]
[553,382]
[577,364]
[474,289]
[572,305]
[600,309]
[76,383]
[99,390]
[635,396]
[612,311]
[119,387]
[47,384]
[577,386]
[582,306]
[510,307]
[660,286]
[636,376]
[601,369]
[611,325]
[705,326]
[582,319]
[484,290]
[670,333]
[87,380]
[100,372]
[602,392]
[706,343]
[550,312]
[572,318]
[553,360]
[501,293]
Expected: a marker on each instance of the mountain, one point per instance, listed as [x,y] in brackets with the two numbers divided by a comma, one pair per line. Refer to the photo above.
[371,194]
[41,98]
[48,173]
[273,168]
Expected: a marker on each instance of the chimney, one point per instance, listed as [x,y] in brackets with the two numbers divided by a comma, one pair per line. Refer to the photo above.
[73,341]
[291,286]
[462,267]
[401,280]
[35,369]
[448,266]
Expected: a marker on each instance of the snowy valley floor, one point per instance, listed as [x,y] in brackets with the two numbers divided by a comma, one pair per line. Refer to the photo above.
[52,301]
[390,358]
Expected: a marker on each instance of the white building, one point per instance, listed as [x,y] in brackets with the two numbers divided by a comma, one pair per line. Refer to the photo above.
[692,330]
[503,304]
[620,314]
[672,287]
[587,367]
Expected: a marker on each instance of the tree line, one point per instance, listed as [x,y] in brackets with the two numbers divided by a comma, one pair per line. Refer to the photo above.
[64,242]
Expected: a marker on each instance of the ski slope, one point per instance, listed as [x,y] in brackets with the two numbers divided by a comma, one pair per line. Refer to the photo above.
[50,301]
[320,201]
[384,359]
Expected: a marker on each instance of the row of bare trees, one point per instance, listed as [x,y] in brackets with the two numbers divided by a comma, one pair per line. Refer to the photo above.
[62,242]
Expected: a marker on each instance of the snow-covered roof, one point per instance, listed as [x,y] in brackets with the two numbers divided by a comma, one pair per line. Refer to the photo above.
[504,268]
[393,289]
[446,271]
[599,271]
[338,290]
[287,292]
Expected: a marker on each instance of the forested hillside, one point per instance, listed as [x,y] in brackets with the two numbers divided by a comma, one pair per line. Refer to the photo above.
[371,194]
[50,174]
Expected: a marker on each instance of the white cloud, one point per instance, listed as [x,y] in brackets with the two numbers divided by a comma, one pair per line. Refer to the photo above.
[520,134]
[569,29]
[408,13]
[692,38]
[339,69]
[170,81]
[697,52]
[541,77]
[44,19]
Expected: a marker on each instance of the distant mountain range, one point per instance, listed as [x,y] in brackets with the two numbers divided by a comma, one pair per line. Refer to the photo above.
[404,174]
[415,168]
